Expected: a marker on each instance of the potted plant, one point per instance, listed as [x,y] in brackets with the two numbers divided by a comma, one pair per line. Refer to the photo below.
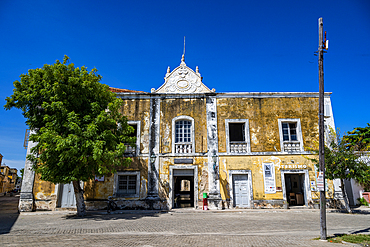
[286,205]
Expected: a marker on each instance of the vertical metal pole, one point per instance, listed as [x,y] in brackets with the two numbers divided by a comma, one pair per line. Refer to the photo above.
[321,132]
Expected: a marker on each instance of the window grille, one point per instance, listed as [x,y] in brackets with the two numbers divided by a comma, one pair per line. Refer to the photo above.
[183,131]
[183,137]
[291,143]
[127,184]
[289,131]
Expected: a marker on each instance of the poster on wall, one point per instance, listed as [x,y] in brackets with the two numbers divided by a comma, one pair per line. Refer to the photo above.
[269,178]
[320,181]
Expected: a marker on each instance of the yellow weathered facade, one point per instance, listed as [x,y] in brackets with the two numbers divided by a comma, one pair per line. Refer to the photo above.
[245,150]
[8,178]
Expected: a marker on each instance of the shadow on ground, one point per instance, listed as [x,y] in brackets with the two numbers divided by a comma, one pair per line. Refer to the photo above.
[363,231]
[354,211]
[117,215]
[8,212]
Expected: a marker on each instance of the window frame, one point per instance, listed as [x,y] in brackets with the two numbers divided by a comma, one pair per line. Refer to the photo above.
[185,130]
[137,149]
[192,134]
[116,185]
[246,135]
[299,140]
[290,135]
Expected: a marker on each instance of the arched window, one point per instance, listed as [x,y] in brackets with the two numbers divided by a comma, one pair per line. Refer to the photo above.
[183,134]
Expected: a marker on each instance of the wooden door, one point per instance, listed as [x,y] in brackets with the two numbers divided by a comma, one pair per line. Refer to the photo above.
[241,190]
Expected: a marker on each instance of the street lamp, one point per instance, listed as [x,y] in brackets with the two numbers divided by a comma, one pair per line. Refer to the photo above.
[215,166]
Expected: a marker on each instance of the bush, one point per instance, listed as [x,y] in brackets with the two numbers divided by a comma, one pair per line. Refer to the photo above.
[362,201]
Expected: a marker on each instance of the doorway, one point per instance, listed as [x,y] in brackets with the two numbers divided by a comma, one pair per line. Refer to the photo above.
[183,186]
[66,196]
[241,190]
[183,191]
[295,189]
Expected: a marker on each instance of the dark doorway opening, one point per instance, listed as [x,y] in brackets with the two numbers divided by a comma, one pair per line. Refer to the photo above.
[295,189]
[183,191]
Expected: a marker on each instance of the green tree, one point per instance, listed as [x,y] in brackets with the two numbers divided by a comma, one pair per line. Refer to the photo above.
[342,162]
[22,172]
[359,138]
[76,123]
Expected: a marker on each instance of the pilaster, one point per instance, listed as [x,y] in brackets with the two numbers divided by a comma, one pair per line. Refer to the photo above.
[26,200]
[153,173]
[214,196]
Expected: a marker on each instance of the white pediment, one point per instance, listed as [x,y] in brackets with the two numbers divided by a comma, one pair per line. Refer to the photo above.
[182,80]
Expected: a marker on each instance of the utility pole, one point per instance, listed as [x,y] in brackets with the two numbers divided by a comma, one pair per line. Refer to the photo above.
[321,132]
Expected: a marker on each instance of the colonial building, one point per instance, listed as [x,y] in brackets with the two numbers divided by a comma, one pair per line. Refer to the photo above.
[8,178]
[243,149]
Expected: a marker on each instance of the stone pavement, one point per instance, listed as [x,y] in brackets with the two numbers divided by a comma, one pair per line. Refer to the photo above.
[186,227]
[181,228]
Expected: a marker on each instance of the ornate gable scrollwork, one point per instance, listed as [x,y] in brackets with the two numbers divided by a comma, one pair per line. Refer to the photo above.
[182,80]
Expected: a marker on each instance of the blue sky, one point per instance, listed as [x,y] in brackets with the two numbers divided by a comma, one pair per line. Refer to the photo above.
[239,46]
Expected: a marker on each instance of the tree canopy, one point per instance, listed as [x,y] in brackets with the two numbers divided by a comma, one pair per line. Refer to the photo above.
[343,162]
[76,123]
[359,138]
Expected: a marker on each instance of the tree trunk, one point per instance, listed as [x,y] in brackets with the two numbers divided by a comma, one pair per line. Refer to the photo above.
[80,203]
[345,197]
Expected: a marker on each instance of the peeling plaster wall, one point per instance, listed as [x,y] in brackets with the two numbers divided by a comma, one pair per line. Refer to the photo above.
[195,108]
[44,194]
[254,164]
[95,190]
[263,115]
[139,110]
[99,190]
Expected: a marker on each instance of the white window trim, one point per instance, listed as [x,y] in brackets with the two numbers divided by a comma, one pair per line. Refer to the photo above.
[246,131]
[138,125]
[299,132]
[126,173]
[174,120]
[240,172]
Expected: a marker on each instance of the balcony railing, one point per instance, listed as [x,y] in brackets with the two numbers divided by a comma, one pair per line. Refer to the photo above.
[183,148]
[237,147]
[129,149]
[292,147]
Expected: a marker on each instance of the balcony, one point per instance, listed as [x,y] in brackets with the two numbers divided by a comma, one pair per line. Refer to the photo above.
[238,147]
[130,150]
[183,148]
[292,147]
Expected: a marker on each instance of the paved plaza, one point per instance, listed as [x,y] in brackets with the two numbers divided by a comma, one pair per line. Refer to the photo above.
[294,227]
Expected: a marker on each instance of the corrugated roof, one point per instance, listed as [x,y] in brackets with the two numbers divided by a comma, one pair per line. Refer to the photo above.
[119,90]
